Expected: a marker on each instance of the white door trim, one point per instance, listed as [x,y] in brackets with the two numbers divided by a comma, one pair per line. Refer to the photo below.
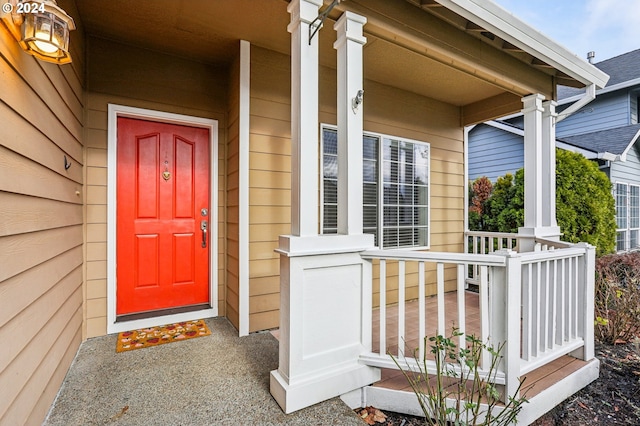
[114,112]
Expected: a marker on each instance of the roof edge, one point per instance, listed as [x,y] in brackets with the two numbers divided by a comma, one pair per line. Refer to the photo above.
[507,26]
[607,89]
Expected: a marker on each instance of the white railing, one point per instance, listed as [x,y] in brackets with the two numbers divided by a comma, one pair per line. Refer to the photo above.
[557,303]
[540,304]
[480,242]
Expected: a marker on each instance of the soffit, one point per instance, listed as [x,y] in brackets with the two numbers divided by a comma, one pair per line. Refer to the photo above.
[208,31]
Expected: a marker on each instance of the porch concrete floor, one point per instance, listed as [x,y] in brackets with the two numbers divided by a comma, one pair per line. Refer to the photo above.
[221,379]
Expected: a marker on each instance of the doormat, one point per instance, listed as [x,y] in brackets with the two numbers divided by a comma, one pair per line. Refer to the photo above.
[154,336]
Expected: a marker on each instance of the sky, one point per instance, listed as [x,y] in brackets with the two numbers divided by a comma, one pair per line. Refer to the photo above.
[608,27]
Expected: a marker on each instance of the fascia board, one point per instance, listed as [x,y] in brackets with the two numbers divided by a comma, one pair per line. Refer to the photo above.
[634,139]
[608,89]
[505,127]
[585,152]
[511,29]
[562,145]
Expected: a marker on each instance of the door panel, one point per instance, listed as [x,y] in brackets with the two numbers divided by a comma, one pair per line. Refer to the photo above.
[162,185]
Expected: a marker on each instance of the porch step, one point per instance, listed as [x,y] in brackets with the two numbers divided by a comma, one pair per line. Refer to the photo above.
[544,388]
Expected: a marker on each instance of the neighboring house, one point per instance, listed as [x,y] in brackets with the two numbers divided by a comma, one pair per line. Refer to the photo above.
[182,145]
[606,130]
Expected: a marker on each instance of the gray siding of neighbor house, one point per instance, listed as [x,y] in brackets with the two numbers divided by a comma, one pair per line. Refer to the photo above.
[494,152]
[627,171]
[605,112]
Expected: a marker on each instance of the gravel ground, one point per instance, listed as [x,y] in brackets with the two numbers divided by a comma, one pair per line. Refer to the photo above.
[613,399]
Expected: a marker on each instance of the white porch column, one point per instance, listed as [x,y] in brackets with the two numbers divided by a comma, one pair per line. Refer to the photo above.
[549,166]
[325,285]
[304,118]
[533,161]
[349,46]
[539,170]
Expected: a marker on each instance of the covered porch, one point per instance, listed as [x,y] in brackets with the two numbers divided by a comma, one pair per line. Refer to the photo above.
[346,305]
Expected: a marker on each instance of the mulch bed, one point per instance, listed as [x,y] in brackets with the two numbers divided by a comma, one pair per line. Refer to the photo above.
[613,399]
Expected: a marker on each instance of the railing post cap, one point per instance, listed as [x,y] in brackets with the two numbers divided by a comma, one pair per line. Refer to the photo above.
[506,252]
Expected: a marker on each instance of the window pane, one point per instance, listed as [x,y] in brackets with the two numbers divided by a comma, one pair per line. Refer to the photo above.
[390,148]
[421,216]
[390,216]
[370,216]
[621,205]
[634,206]
[390,238]
[405,237]
[330,141]
[620,241]
[330,192]
[422,235]
[633,240]
[421,175]
[391,194]
[421,195]
[405,195]
[370,193]
[369,171]
[370,148]
[330,167]
[390,172]
[330,218]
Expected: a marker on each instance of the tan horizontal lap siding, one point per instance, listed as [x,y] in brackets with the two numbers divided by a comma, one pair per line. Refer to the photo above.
[41,230]
[128,76]
[269,182]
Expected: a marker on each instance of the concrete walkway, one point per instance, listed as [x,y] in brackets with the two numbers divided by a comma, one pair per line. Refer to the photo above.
[219,379]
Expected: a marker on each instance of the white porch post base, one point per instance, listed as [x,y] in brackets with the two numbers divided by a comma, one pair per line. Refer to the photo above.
[325,300]
[293,397]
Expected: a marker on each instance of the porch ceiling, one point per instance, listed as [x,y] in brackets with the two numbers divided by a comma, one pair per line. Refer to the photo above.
[208,31]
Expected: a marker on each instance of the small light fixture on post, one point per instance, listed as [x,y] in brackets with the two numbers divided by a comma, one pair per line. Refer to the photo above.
[357,100]
[41,28]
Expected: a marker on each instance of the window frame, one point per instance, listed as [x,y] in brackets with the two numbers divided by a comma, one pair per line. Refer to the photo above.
[627,229]
[380,204]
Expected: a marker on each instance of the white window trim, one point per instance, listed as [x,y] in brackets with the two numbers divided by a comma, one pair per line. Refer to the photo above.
[380,230]
[628,229]
[625,230]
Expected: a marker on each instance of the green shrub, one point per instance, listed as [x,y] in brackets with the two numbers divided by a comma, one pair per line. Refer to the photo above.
[617,298]
[585,208]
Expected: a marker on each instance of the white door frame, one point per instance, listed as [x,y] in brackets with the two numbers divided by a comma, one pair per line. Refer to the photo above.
[114,112]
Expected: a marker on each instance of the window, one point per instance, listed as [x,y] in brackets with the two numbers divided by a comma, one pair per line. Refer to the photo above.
[395,189]
[621,216]
[634,216]
[627,216]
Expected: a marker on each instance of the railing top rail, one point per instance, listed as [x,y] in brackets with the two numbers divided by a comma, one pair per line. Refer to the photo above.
[556,244]
[491,234]
[459,258]
[538,256]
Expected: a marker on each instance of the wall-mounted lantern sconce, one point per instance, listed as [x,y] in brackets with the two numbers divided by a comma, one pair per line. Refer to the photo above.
[41,28]
[355,102]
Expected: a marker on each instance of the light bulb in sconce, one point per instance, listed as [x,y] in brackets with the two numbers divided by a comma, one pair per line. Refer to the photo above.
[355,102]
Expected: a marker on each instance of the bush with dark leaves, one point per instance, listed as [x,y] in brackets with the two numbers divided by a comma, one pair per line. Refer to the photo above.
[617,298]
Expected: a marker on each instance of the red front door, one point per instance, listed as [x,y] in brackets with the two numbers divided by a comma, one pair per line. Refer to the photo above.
[162,252]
